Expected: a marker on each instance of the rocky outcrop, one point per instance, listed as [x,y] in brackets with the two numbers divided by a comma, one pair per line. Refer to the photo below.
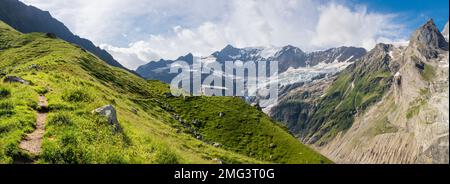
[297,104]
[15,79]
[411,123]
[428,40]
[110,113]
[340,54]
[355,89]
[445,31]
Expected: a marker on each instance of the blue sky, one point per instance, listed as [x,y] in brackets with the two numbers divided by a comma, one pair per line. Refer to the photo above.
[413,11]
[138,31]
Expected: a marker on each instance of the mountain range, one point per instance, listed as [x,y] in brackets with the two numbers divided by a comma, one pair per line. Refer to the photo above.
[289,57]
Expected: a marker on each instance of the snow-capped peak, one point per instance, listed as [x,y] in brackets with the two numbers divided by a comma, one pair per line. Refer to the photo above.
[270,52]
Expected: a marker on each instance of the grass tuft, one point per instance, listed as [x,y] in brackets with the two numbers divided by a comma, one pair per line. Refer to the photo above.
[60,119]
[4,92]
[77,95]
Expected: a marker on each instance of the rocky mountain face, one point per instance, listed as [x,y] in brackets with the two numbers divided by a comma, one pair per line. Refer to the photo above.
[389,107]
[347,54]
[334,111]
[290,57]
[27,19]
[230,53]
[445,31]
[297,103]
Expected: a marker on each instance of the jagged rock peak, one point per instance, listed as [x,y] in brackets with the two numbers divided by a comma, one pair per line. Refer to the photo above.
[378,58]
[383,47]
[292,48]
[429,36]
[445,31]
[229,48]
[188,58]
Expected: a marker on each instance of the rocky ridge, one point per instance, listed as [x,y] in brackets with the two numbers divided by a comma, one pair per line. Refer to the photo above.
[409,123]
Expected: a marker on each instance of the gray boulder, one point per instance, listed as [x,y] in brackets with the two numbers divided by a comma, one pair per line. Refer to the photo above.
[110,113]
[15,79]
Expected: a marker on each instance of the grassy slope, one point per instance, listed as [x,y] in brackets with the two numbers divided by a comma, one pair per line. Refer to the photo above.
[76,82]
[242,129]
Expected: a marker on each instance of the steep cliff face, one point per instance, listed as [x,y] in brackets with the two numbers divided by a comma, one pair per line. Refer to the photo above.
[298,102]
[401,120]
[352,91]
[445,31]
[336,54]
[410,124]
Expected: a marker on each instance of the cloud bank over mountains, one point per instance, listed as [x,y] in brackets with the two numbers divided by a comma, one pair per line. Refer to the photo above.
[138,31]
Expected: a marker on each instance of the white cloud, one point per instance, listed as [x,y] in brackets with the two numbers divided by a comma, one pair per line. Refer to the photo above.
[339,25]
[107,21]
[138,31]
[133,56]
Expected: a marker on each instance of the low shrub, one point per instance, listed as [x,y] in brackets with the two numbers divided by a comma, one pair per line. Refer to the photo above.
[76,96]
[60,119]
[41,90]
[6,108]
[165,156]
[4,93]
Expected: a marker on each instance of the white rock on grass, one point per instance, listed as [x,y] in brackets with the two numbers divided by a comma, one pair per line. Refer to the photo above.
[110,113]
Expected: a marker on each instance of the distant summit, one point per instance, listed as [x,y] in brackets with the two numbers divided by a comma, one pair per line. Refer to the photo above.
[429,36]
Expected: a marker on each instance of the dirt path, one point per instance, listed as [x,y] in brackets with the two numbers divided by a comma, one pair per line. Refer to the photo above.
[33,141]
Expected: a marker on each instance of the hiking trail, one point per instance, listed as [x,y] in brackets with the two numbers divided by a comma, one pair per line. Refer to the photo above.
[32,142]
